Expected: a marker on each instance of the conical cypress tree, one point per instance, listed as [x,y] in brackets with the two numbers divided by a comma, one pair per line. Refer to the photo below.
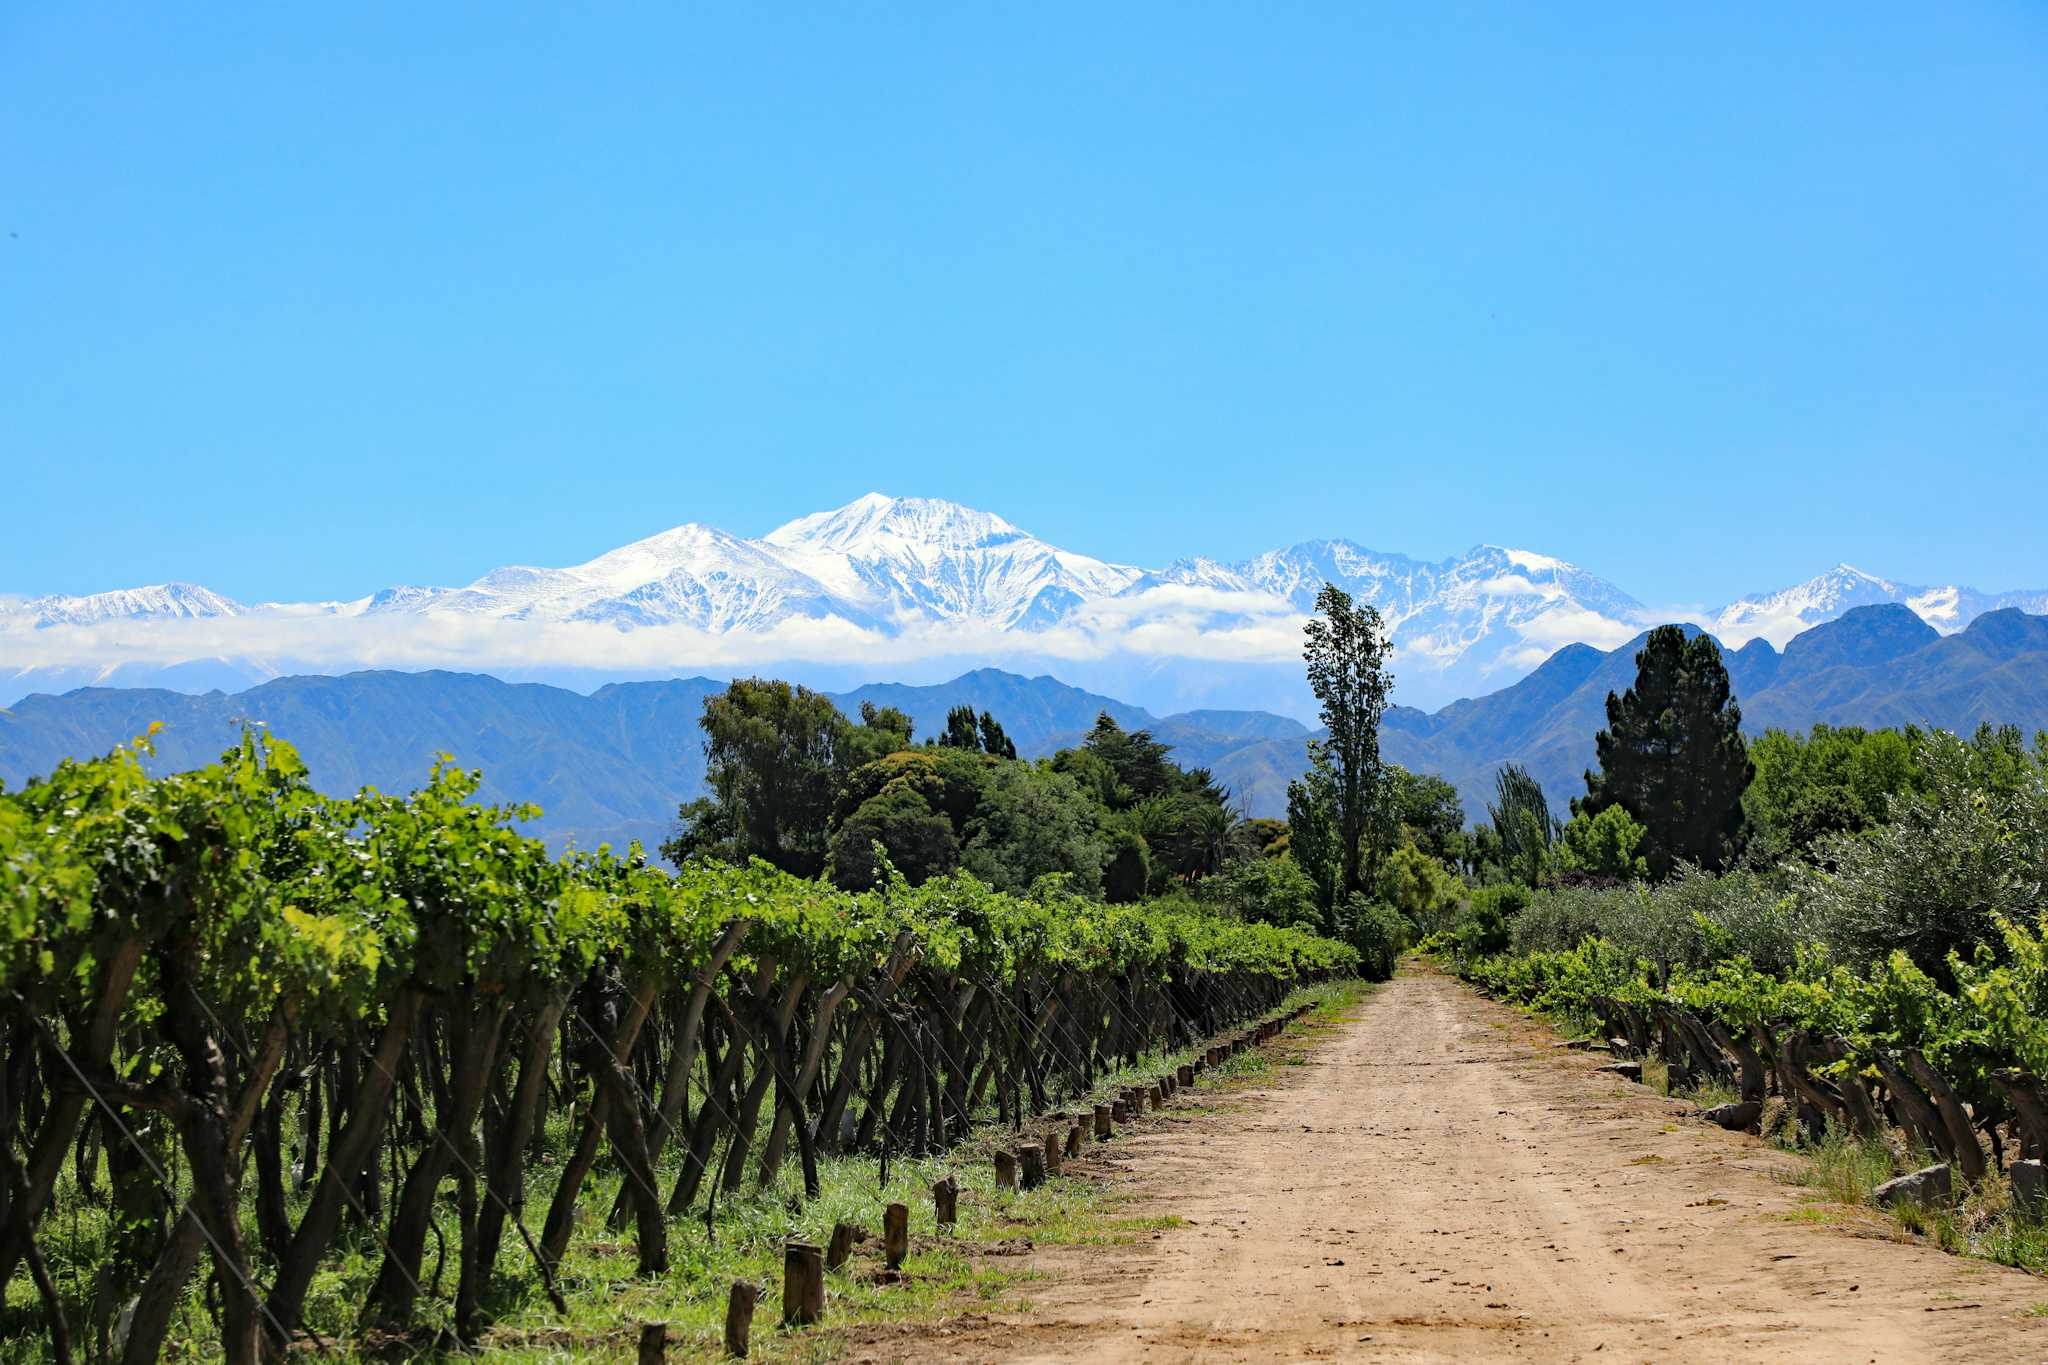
[1672,754]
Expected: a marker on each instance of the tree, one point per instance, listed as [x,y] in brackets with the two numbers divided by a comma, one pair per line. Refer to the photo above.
[961,730]
[918,841]
[1429,813]
[993,740]
[774,755]
[1604,845]
[883,730]
[1312,826]
[1522,823]
[1672,755]
[1032,821]
[1832,780]
[1346,653]
[1418,886]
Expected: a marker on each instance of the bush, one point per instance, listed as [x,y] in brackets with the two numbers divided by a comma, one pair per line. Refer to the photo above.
[1605,845]
[1379,933]
[1266,891]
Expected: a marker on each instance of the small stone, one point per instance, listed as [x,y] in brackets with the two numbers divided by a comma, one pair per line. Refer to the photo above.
[1924,1187]
[2029,1187]
[1736,1118]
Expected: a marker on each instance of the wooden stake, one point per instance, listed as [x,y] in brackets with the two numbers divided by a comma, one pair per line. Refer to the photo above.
[946,1202]
[1006,1171]
[653,1343]
[1186,1077]
[1055,1143]
[1103,1120]
[1031,1156]
[844,1235]
[1117,1113]
[895,1234]
[1156,1096]
[1074,1135]
[739,1317]
[803,1284]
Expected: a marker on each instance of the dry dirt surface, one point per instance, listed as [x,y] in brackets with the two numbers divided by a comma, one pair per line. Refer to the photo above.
[1433,1180]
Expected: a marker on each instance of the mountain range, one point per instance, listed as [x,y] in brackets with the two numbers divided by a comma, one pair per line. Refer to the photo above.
[922,584]
[615,764]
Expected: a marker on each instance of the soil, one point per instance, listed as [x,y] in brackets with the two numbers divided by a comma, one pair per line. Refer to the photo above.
[1432,1179]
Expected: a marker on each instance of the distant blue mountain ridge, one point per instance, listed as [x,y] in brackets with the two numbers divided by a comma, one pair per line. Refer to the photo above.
[614,765]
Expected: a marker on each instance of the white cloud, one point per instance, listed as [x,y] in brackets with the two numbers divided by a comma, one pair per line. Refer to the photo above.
[1563,626]
[1181,622]
[1515,585]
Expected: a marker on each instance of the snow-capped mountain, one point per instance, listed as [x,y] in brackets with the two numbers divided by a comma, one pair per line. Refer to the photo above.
[905,581]
[1478,612]
[876,562]
[160,602]
[1778,616]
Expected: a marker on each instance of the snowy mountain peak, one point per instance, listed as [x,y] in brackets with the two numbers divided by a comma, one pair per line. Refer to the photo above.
[876,523]
[159,601]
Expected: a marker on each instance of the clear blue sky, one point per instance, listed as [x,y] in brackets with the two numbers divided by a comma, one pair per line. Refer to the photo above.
[302,300]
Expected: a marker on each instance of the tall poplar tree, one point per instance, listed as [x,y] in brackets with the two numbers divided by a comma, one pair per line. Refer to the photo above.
[1346,652]
[1673,756]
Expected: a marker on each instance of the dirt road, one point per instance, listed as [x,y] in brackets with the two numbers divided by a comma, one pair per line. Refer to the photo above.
[1434,1181]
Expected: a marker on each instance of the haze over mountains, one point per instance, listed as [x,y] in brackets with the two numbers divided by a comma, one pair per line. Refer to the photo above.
[920,588]
[615,764]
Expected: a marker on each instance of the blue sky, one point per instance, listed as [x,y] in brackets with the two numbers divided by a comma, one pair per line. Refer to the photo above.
[305,300]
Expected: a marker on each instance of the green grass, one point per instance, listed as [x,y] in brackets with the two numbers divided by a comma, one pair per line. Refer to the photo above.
[978,1266]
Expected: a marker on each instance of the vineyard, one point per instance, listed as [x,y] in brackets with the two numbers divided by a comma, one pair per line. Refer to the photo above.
[1948,1073]
[270,1032]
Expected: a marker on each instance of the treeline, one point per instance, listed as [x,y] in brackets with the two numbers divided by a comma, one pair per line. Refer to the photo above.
[305,1040]
[800,785]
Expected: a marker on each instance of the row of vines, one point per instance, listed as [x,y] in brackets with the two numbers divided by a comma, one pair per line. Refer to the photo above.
[1951,1067]
[264,1026]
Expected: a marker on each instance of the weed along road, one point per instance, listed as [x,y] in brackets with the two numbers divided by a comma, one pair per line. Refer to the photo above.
[1429,1178]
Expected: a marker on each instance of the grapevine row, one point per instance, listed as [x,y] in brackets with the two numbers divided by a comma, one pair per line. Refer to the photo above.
[1886,1048]
[353,1002]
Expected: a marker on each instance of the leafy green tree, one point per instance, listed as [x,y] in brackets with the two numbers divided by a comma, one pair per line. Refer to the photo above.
[1346,652]
[1673,756]
[1429,813]
[918,841]
[1127,871]
[961,730]
[1522,825]
[1312,833]
[1031,822]
[1417,885]
[1832,780]
[883,730]
[1377,931]
[1938,876]
[1604,845]
[775,755]
[993,741]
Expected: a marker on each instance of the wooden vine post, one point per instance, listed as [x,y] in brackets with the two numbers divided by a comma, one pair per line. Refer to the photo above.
[844,1235]
[653,1343]
[946,1202]
[895,1235]
[1031,1158]
[1006,1172]
[803,1284]
[739,1317]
